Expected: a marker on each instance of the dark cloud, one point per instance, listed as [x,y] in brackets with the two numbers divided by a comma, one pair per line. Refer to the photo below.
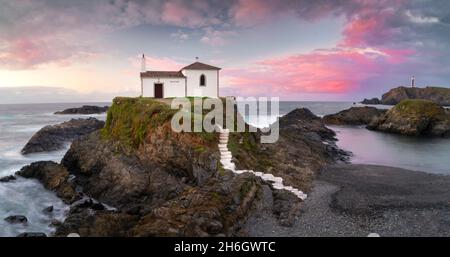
[38,32]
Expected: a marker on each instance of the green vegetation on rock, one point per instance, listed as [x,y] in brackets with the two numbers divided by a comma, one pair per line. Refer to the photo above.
[439,95]
[418,107]
[414,117]
[128,119]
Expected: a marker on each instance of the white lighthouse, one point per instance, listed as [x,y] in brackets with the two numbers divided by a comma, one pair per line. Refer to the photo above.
[413,81]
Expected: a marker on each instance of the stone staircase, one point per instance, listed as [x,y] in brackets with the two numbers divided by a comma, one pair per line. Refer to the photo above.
[226,159]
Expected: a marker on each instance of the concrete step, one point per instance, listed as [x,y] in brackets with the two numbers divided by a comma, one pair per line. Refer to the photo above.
[259,174]
[289,188]
[226,159]
[267,176]
[278,186]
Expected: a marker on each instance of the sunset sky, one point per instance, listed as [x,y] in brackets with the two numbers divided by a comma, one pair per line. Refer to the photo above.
[297,50]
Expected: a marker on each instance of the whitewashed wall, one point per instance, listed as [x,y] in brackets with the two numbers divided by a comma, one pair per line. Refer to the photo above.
[193,83]
[172,87]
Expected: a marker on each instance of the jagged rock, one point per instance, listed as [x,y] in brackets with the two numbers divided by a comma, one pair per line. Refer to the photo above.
[55,223]
[168,184]
[123,169]
[54,177]
[304,147]
[371,101]
[54,137]
[89,203]
[414,118]
[354,116]
[439,95]
[85,109]
[85,222]
[304,121]
[7,178]
[217,208]
[32,234]
[163,183]
[48,209]
[14,219]
[285,207]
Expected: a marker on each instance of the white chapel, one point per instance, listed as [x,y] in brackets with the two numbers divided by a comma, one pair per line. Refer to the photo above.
[197,79]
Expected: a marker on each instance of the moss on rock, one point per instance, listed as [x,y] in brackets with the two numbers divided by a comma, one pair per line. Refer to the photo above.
[129,119]
[414,117]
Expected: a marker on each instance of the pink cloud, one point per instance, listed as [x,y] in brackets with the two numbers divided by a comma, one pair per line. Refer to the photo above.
[25,53]
[251,12]
[341,70]
[373,23]
[363,55]
[152,63]
[185,14]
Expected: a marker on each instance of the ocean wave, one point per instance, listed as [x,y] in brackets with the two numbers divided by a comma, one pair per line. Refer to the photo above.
[28,197]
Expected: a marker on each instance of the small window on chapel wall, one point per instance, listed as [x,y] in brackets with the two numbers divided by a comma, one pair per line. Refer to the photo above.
[202,80]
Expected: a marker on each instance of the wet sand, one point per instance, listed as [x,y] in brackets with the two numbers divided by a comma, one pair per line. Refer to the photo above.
[355,200]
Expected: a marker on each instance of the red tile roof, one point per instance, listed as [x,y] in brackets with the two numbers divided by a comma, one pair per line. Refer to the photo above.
[200,66]
[162,74]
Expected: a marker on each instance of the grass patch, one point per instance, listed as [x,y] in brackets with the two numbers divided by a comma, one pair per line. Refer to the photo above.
[129,119]
[418,107]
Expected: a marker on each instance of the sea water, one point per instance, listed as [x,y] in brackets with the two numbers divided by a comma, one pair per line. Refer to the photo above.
[27,196]
[426,154]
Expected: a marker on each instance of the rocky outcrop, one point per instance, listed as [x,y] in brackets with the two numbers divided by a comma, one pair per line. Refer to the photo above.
[85,109]
[371,101]
[32,234]
[163,183]
[54,177]
[304,147]
[354,116]
[15,219]
[7,178]
[414,118]
[439,95]
[218,208]
[54,137]
[160,182]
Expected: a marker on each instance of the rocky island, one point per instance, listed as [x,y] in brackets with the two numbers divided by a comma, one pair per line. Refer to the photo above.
[85,109]
[439,95]
[354,116]
[373,101]
[54,137]
[414,118]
